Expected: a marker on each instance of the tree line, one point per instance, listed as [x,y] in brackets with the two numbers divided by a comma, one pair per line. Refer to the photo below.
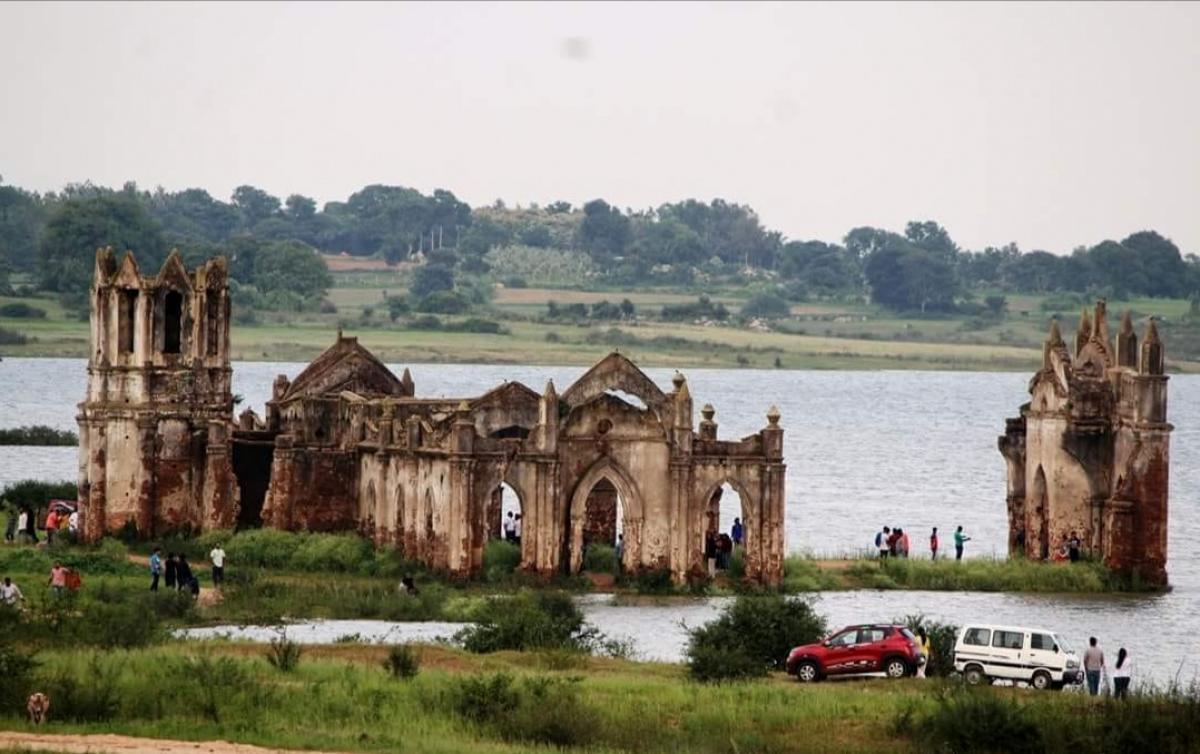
[271,245]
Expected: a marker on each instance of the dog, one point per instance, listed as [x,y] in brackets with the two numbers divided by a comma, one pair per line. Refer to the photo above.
[38,707]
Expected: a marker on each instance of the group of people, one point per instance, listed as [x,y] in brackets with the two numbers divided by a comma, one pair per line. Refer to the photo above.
[1069,550]
[177,573]
[62,579]
[718,547]
[1094,669]
[22,526]
[894,543]
[512,528]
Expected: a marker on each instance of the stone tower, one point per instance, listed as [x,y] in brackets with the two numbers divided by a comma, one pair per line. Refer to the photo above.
[1089,454]
[154,428]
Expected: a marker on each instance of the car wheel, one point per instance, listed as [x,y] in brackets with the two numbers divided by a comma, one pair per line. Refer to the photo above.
[807,672]
[896,668]
[974,675]
[1041,680]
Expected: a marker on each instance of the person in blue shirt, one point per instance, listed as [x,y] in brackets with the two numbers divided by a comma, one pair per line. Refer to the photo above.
[155,568]
[737,531]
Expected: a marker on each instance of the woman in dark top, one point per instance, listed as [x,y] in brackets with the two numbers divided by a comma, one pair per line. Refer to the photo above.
[183,573]
[170,571]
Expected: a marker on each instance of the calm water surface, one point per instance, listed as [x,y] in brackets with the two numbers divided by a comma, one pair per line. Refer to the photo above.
[863,449]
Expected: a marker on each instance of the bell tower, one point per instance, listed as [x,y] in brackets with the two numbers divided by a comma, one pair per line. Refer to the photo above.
[154,435]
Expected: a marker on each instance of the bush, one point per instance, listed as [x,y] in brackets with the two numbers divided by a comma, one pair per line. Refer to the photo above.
[942,637]
[761,628]
[476,325]
[208,685]
[444,302]
[500,559]
[16,677]
[529,620]
[12,337]
[710,664]
[21,310]
[600,559]
[975,720]
[37,494]
[425,322]
[539,709]
[402,662]
[94,700]
[653,581]
[766,306]
[38,434]
[114,623]
[284,654]
[344,553]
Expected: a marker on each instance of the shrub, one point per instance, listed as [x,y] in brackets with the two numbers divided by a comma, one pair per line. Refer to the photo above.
[477,325]
[653,581]
[711,664]
[16,677]
[284,654]
[38,434]
[115,623]
[207,684]
[327,307]
[500,559]
[766,306]
[529,620]
[942,637]
[975,720]
[402,662]
[444,302]
[600,559]
[12,337]
[21,310]
[425,322]
[331,552]
[762,628]
[94,700]
[539,709]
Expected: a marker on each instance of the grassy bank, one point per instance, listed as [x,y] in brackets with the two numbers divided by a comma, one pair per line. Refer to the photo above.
[342,698]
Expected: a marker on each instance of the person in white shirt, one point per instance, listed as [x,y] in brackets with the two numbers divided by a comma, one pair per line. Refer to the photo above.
[217,556]
[23,525]
[509,528]
[517,530]
[1122,674]
[73,524]
[10,593]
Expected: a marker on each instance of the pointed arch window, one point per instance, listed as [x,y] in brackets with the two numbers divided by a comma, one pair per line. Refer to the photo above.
[173,322]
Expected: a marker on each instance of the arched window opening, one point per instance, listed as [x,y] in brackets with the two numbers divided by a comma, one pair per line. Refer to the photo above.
[126,318]
[603,528]
[504,515]
[724,530]
[173,322]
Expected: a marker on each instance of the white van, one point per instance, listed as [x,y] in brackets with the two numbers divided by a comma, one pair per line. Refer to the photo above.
[1041,658]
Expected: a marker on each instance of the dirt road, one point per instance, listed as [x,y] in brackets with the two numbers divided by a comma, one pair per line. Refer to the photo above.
[110,744]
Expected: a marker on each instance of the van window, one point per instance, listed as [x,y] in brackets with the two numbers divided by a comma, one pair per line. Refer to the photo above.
[979,637]
[1042,641]
[1008,639]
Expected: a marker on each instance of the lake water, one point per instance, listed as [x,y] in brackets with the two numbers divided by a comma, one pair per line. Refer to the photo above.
[863,449]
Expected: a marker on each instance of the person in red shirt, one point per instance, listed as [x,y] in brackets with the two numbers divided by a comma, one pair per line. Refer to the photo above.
[58,578]
[933,543]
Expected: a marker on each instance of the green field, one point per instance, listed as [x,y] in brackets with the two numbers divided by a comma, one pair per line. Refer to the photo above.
[818,335]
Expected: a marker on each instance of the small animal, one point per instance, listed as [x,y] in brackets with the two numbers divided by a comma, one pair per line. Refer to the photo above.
[38,707]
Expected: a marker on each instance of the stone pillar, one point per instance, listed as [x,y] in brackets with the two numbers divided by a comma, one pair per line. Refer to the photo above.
[276,511]
[94,511]
[219,504]
[145,519]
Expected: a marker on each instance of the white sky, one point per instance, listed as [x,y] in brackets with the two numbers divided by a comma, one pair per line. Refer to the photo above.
[1048,125]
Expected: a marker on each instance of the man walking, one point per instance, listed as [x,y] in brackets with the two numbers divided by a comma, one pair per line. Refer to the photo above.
[737,532]
[217,556]
[155,568]
[933,543]
[959,540]
[10,593]
[1093,665]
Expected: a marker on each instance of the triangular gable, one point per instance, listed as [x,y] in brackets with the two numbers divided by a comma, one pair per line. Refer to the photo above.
[106,266]
[345,366]
[128,275]
[173,273]
[614,372]
[509,392]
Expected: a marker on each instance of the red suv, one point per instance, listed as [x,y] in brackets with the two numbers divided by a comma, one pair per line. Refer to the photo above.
[858,649]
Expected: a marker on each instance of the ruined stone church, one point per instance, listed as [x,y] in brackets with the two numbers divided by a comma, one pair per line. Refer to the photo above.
[1088,455]
[348,446]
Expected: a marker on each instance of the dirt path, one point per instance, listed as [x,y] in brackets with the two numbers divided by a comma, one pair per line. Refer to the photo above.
[111,744]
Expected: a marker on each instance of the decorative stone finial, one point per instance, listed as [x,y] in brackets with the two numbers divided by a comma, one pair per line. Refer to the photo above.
[773,415]
[708,412]
[1151,333]
[1055,337]
[1126,323]
[678,379]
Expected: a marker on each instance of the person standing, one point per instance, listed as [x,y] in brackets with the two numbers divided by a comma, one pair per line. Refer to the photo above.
[882,541]
[509,528]
[737,531]
[10,593]
[923,640]
[217,556]
[933,543]
[902,545]
[51,526]
[183,573]
[1073,546]
[31,525]
[959,540]
[710,553]
[517,530]
[1093,665]
[893,541]
[73,527]
[23,525]
[155,568]
[171,571]
[1122,674]
[58,578]
[620,550]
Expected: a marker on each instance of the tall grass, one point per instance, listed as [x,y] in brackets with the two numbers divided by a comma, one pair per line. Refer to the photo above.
[983,575]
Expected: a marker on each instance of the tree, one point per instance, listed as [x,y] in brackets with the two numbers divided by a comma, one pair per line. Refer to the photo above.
[905,277]
[78,227]
[430,279]
[300,207]
[291,266]
[254,205]
[766,306]
[1165,272]
[605,231]
[192,215]
[559,208]
[22,215]
[928,235]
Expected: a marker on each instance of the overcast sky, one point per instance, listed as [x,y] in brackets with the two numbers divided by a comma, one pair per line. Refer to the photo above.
[1048,125]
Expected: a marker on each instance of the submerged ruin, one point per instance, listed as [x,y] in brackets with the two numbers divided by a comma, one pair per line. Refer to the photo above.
[1088,456]
[348,446]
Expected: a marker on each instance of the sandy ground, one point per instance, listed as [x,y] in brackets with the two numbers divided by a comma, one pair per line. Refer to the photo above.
[110,744]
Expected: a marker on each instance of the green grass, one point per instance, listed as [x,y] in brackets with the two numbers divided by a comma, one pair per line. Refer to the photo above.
[983,575]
